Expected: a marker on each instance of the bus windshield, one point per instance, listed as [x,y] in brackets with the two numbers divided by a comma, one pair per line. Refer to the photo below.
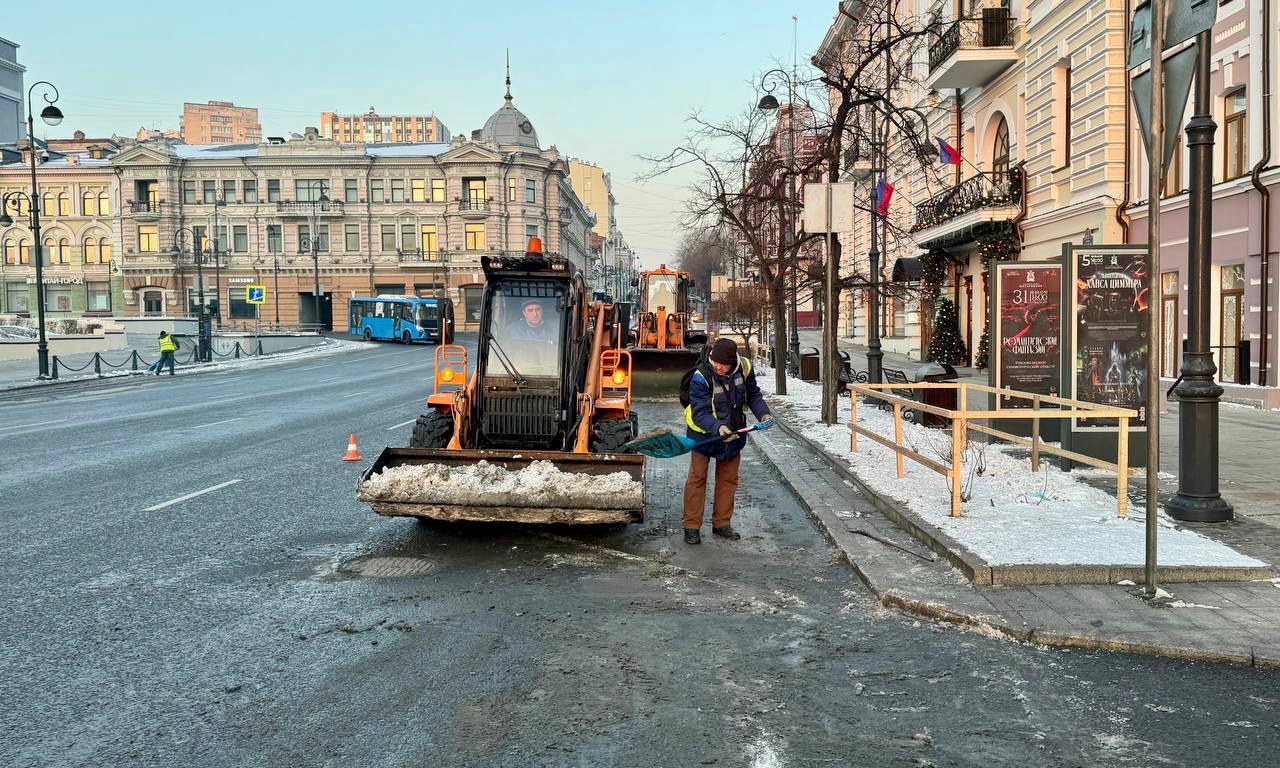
[662,292]
[526,326]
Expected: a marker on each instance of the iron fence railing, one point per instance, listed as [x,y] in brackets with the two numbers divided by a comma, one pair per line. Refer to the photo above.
[417,255]
[984,190]
[473,204]
[305,208]
[992,29]
[146,206]
[134,361]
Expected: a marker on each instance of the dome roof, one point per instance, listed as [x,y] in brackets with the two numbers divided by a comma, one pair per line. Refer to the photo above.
[508,126]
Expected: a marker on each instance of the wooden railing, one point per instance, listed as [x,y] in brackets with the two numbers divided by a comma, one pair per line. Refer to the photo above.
[962,421]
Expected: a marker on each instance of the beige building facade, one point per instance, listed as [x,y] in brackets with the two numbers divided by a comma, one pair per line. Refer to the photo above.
[373,128]
[219,122]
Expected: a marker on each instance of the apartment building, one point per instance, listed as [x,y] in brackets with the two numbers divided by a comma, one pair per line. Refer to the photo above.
[1246,218]
[219,122]
[373,128]
[12,94]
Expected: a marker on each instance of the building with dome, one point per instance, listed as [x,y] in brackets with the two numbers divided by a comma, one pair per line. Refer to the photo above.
[410,219]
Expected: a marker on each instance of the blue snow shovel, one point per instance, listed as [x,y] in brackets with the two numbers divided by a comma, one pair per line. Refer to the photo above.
[665,444]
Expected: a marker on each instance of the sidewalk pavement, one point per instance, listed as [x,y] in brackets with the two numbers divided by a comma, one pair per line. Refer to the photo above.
[1235,622]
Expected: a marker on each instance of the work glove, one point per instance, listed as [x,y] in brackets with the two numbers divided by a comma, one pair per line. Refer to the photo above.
[767,421]
[728,434]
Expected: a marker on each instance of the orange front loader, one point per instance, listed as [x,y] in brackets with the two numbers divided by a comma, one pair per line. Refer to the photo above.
[547,382]
[663,345]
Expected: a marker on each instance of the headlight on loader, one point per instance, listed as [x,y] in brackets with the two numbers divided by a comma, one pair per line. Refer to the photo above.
[619,377]
[446,375]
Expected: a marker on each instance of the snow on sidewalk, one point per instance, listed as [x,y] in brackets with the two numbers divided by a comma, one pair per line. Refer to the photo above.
[1013,516]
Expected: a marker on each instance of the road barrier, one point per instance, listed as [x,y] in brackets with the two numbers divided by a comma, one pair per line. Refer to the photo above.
[962,421]
[134,360]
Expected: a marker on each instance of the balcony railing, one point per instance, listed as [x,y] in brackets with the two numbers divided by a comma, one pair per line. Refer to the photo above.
[146,206]
[305,208]
[419,256]
[985,190]
[473,204]
[994,29]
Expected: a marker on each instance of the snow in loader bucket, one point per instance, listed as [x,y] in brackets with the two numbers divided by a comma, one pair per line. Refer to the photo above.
[505,486]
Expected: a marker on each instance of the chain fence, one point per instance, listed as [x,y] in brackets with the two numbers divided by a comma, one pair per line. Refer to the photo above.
[135,362]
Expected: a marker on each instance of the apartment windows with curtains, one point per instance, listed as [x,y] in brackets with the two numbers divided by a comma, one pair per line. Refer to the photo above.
[530,191]
[351,238]
[1235,135]
[1170,348]
[429,243]
[148,239]
[350,191]
[1230,322]
[388,232]
[437,190]
[249,191]
[475,237]
[408,237]
[418,190]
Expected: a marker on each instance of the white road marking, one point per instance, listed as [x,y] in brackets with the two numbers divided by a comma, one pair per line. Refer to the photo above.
[402,424]
[36,424]
[181,499]
[356,394]
[322,381]
[215,423]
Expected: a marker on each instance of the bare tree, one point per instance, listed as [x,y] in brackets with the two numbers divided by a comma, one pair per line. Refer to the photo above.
[741,309]
[704,251]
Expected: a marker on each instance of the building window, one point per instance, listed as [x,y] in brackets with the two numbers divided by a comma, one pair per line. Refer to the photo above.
[238,308]
[377,192]
[475,237]
[189,192]
[249,191]
[419,189]
[1230,320]
[397,190]
[153,303]
[1061,133]
[1169,324]
[240,238]
[46,252]
[275,238]
[148,239]
[24,252]
[10,252]
[89,203]
[388,237]
[473,191]
[210,192]
[350,191]
[1237,135]
[408,237]
[429,243]
[310,190]
[472,299]
[57,298]
[1173,172]
[201,237]
[49,206]
[351,238]
[104,203]
[511,189]
[16,298]
[273,190]
[437,190]
[530,191]
[220,238]
[97,296]
[229,190]
[530,231]
[1000,152]
[91,253]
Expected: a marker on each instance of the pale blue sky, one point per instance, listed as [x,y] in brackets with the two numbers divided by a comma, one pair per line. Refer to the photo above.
[603,81]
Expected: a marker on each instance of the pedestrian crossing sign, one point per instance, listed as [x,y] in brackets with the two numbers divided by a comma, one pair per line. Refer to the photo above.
[255,294]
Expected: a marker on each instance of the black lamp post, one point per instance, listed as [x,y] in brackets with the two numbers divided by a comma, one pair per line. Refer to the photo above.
[312,242]
[180,238]
[51,115]
[769,103]
[214,243]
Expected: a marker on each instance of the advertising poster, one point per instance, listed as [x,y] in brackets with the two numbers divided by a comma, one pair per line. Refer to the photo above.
[1030,348]
[1112,341]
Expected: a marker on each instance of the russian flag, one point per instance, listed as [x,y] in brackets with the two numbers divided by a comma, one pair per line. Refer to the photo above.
[884,193]
[946,154]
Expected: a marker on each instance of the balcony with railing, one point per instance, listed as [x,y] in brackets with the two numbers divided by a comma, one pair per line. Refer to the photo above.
[951,216]
[305,209]
[145,210]
[417,256]
[971,52]
[473,207]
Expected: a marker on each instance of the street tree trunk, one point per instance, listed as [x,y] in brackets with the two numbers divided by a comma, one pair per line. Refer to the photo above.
[778,303]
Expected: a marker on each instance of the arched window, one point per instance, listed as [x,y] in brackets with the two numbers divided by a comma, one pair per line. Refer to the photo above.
[1000,152]
[64,204]
[46,252]
[10,252]
[48,204]
[104,250]
[64,251]
[104,203]
[90,250]
[89,203]
[24,252]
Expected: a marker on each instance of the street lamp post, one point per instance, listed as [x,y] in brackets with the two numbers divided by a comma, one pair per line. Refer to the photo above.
[314,237]
[276,276]
[51,115]
[197,255]
[786,228]
[217,263]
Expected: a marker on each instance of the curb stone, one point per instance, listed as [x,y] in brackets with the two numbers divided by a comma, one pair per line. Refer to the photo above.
[870,567]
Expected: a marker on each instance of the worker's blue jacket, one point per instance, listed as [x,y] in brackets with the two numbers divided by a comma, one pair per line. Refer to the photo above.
[721,401]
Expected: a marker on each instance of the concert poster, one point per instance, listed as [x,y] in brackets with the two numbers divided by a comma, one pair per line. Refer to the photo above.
[1112,342]
[1030,349]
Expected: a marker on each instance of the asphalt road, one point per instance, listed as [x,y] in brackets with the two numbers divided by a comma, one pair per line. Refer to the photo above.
[274,621]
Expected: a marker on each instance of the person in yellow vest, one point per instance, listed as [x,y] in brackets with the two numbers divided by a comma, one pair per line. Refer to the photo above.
[168,346]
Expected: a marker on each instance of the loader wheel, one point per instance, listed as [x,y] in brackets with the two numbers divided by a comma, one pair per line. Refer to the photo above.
[433,430]
[609,435]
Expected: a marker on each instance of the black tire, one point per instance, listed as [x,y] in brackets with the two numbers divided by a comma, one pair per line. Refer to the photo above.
[368,335]
[408,338]
[634,418]
[433,430]
[609,435]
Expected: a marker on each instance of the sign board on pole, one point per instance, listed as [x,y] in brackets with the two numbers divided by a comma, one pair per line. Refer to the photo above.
[1185,22]
[255,294]
[1028,355]
[1111,341]
[815,207]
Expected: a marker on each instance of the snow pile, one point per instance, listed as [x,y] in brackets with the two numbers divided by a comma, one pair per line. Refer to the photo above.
[483,484]
[1013,516]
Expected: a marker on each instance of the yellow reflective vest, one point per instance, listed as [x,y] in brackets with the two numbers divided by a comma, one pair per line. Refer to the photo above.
[167,345]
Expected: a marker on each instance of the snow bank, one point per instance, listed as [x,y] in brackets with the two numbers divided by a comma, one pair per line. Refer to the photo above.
[1014,516]
[483,484]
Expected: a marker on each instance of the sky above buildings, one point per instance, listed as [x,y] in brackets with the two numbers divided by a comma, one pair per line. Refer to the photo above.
[603,81]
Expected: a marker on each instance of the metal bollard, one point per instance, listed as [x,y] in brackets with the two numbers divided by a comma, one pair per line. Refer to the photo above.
[237,350]
[97,364]
[133,356]
[259,346]
[55,367]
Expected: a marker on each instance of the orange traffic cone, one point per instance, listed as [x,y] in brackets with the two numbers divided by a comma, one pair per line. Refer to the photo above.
[353,453]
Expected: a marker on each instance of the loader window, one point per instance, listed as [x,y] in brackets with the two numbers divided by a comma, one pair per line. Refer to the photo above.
[662,293]
[527,324]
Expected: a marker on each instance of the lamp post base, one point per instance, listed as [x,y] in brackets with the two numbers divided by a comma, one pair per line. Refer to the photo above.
[1198,395]
[1199,509]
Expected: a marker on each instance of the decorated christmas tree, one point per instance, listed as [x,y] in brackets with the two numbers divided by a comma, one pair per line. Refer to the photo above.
[981,360]
[945,345]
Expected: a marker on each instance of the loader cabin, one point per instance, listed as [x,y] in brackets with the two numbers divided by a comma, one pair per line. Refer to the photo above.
[533,309]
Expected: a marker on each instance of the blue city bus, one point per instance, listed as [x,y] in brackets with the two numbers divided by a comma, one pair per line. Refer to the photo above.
[401,318]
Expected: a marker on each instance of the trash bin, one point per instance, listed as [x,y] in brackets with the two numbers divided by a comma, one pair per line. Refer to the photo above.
[935,396]
[809,365]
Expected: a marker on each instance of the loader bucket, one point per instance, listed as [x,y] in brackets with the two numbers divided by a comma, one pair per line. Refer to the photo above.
[657,372]
[453,485]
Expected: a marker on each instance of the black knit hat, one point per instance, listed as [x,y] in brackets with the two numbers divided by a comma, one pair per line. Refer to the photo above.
[725,351]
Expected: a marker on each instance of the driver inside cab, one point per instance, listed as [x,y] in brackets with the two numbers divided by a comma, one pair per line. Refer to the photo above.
[532,325]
